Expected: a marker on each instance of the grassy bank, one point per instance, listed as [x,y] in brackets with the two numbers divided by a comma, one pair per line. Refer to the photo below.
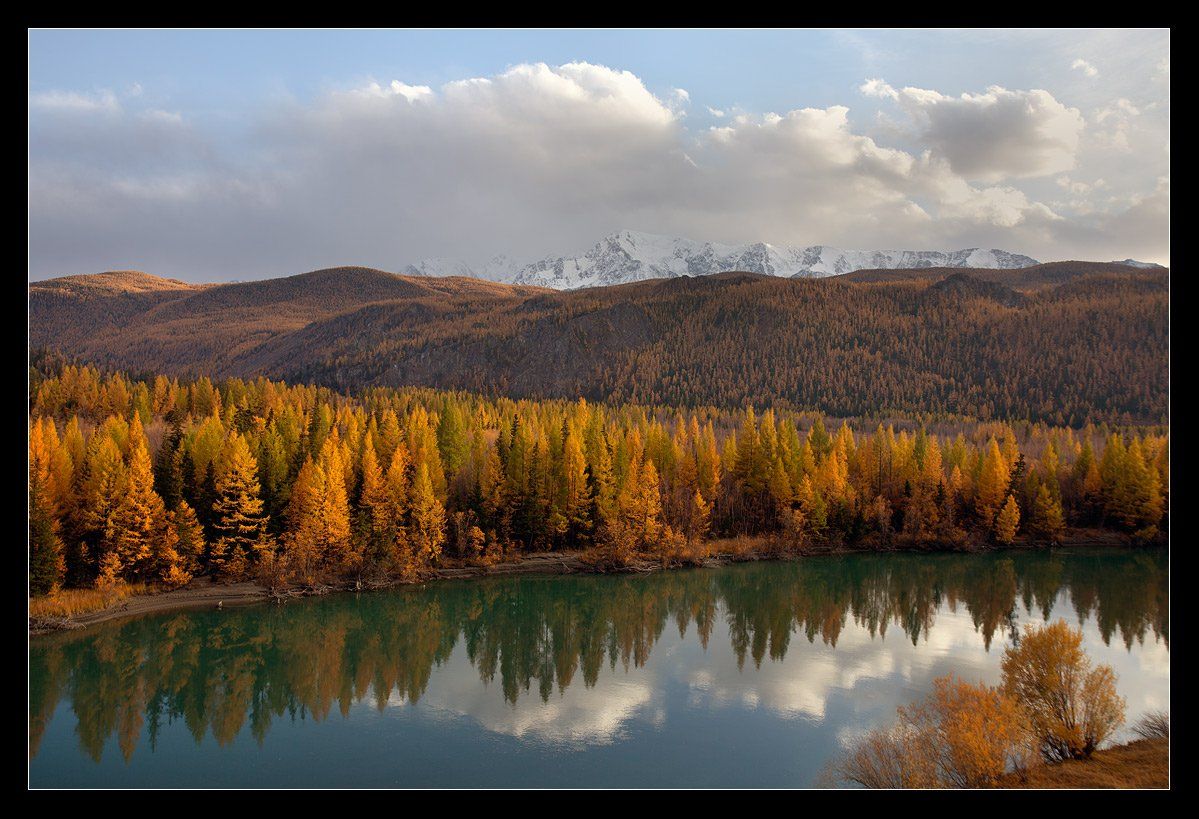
[1143,763]
[70,603]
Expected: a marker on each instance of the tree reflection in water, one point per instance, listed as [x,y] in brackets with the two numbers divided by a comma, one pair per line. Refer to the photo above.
[218,671]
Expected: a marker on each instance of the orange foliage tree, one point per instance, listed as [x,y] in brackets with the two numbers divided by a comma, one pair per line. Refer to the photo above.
[1072,707]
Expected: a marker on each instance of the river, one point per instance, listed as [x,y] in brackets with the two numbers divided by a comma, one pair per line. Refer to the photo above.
[747,675]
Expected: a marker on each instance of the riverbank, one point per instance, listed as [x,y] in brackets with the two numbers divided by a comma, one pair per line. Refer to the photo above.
[206,593]
[1143,763]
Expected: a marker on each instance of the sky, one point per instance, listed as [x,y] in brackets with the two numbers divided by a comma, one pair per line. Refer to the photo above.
[243,154]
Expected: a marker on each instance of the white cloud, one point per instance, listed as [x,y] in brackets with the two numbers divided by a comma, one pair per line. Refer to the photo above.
[1116,121]
[1085,67]
[545,159]
[1118,108]
[878,88]
[998,134]
[71,101]
[395,88]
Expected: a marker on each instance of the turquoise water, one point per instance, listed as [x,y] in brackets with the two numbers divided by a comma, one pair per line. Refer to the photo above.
[748,675]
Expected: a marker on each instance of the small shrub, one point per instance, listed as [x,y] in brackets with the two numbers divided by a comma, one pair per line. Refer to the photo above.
[961,735]
[1154,725]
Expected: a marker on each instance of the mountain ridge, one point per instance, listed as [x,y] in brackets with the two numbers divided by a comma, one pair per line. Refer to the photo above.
[1031,343]
[627,256]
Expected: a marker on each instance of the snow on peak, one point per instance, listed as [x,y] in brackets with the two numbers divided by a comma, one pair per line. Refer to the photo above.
[1135,263]
[629,256]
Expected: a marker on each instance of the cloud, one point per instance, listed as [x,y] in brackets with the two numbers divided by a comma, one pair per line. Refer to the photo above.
[998,134]
[74,102]
[395,88]
[540,160]
[1116,122]
[1085,67]
[878,88]
[716,112]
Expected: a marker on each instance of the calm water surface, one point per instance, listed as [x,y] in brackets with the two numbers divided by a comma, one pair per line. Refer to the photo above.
[751,675]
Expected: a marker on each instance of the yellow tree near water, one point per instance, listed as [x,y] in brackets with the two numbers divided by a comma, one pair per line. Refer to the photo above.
[1007,521]
[238,520]
[426,528]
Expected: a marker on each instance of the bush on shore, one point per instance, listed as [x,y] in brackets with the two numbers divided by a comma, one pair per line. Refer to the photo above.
[1052,703]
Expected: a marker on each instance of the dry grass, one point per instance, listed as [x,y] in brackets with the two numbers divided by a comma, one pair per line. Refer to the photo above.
[741,547]
[73,602]
[1144,763]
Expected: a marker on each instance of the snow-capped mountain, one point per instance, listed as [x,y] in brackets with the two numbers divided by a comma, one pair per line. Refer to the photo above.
[497,269]
[629,256]
[438,268]
[1135,263]
[831,261]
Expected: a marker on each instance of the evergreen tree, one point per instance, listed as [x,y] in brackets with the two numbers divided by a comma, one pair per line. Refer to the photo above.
[140,520]
[698,518]
[102,484]
[576,500]
[641,505]
[238,520]
[426,530]
[304,537]
[1047,520]
[191,546]
[47,563]
[378,522]
[451,438]
[993,483]
[1007,521]
[169,464]
[335,505]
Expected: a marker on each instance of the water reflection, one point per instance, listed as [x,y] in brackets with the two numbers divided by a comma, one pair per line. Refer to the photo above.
[568,659]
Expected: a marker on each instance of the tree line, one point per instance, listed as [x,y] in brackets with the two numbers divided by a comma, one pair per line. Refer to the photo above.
[160,480]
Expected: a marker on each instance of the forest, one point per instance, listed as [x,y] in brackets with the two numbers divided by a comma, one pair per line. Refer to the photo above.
[1064,344]
[158,480]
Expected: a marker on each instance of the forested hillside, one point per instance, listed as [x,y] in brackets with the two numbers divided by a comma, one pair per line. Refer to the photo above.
[1065,343]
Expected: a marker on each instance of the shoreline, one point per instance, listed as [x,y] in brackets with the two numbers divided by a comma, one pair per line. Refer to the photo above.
[207,593]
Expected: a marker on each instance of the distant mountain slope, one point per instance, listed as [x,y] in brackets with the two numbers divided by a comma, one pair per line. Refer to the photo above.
[113,282]
[962,286]
[630,256]
[1061,343]
[1146,265]
[209,329]
[1033,277]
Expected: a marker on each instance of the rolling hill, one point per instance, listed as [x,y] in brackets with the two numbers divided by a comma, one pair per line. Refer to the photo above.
[1061,342]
